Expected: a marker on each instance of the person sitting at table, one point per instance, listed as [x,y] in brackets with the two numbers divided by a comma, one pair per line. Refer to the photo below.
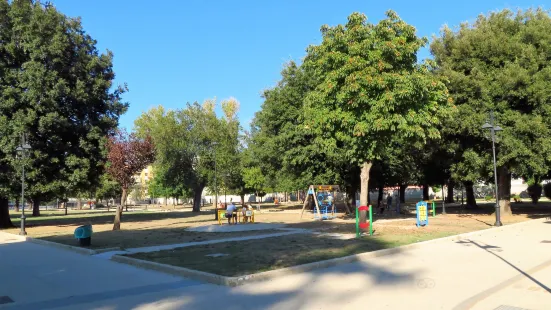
[231,213]
[244,212]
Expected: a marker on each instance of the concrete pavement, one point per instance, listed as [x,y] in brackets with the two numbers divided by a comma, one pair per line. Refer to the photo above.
[497,268]
[44,277]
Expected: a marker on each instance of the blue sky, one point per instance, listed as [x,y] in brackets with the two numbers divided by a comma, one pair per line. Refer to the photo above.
[171,52]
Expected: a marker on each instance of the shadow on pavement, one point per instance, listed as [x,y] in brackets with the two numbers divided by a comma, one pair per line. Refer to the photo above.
[129,289]
[492,249]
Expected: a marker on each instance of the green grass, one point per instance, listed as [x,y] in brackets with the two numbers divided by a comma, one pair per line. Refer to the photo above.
[253,256]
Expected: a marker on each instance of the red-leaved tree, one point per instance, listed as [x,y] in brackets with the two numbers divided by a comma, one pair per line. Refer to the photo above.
[127,155]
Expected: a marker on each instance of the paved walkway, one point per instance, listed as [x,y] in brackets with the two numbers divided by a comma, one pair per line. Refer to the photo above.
[215,228]
[43,277]
[497,268]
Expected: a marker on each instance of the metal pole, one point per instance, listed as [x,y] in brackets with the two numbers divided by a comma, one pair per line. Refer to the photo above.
[23,232]
[498,218]
[215,189]
[443,200]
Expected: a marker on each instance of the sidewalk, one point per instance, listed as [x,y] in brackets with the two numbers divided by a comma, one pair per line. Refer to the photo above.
[439,275]
[33,273]
[497,268]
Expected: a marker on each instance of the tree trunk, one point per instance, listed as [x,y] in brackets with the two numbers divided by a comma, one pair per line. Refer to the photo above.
[5,220]
[426,192]
[197,198]
[469,192]
[118,217]
[16,205]
[403,188]
[450,199]
[242,199]
[118,213]
[364,189]
[36,206]
[79,204]
[504,190]
[380,197]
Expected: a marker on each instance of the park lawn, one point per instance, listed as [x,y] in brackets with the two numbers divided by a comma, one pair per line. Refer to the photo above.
[139,229]
[252,256]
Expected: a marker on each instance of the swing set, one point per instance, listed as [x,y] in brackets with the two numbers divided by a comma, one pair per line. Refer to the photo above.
[324,197]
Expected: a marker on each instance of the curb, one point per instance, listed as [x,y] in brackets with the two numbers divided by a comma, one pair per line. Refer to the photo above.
[62,246]
[267,275]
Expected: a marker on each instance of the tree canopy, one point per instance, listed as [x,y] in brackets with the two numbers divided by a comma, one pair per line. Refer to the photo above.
[56,87]
[371,90]
[499,63]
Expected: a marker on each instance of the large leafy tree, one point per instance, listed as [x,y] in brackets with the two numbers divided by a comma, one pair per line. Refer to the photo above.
[56,87]
[285,151]
[371,89]
[128,155]
[501,63]
[188,141]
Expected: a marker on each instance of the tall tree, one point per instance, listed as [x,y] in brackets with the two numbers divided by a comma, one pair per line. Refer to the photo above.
[56,87]
[371,89]
[501,63]
[188,141]
[127,156]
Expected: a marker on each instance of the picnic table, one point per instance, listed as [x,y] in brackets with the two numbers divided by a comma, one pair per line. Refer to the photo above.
[240,217]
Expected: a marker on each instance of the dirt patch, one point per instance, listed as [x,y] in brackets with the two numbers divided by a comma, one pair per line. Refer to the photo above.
[138,229]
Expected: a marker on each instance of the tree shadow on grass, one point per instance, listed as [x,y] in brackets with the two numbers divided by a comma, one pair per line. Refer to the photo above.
[100,217]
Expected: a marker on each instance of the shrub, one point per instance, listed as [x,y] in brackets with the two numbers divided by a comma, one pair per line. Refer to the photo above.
[488,197]
[516,198]
[534,191]
[547,190]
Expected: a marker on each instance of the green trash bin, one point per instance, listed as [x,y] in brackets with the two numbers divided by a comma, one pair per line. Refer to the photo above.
[84,235]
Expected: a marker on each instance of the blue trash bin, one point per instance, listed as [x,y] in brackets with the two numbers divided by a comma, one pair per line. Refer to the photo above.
[84,235]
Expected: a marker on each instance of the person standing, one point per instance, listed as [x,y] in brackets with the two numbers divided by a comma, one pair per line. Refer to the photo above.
[388,201]
[231,213]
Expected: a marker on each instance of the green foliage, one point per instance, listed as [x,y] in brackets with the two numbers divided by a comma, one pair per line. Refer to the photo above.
[56,87]
[280,144]
[189,141]
[501,63]
[371,89]
[254,179]
[489,197]
[535,191]
[108,189]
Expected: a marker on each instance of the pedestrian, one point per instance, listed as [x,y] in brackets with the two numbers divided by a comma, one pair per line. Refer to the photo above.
[231,213]
[388,201]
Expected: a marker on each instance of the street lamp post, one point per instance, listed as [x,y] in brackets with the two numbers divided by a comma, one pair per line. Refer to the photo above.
[214,144]
[225,188]
[22,151]
[443,200]
[493,128]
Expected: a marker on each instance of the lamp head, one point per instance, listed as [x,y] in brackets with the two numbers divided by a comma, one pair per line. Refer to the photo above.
[486,126]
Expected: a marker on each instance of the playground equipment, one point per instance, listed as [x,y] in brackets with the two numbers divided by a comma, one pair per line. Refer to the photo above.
[361,220]
[422,214]
[324,197]
[433,207]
